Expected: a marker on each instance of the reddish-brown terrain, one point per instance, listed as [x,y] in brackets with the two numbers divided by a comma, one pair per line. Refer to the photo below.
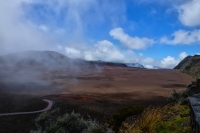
[121,83]
[97,89]
[49,72]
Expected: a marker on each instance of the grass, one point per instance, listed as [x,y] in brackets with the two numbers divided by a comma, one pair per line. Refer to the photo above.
[53,122]
[122,113]
[167,119]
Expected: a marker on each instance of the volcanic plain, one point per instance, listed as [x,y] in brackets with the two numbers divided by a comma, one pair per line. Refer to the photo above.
[120,83]
[94,90]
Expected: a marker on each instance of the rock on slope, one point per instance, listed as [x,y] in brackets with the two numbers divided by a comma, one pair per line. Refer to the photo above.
[190,65]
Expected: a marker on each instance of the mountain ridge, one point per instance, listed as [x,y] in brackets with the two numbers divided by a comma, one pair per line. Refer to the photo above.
[52,59]
[190,65]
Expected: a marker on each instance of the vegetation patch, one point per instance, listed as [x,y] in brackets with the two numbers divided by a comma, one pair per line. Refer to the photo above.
[165,119]
[51,122]
[182,97]
[190,65]
[117,118]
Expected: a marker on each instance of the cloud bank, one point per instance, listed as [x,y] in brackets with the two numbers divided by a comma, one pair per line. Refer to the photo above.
[40,25]
[131,42]
[17,34]
[170,62]
[182,37]
[189,13]
[66,26]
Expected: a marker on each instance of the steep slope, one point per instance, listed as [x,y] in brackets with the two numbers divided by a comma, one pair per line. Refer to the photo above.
[48,59]
[190,65]
[183,63]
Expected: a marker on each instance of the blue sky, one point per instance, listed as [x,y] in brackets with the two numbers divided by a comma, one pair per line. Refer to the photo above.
[153,33]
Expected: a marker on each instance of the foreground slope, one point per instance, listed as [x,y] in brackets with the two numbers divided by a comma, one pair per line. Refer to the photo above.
[190,65]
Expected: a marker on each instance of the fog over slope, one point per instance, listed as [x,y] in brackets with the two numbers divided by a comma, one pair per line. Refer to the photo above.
[38,71]
[28,72]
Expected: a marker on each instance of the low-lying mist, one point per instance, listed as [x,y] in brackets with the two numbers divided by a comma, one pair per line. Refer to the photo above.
[37,72]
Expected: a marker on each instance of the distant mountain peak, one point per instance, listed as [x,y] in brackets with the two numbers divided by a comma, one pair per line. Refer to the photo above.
[137,65]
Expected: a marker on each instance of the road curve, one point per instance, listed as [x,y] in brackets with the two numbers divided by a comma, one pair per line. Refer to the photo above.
[50,104]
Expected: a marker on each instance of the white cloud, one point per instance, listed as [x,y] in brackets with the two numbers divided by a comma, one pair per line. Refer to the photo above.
[182,37]
[167,62]
[44,28]
[197,54]
[58,22]
[74,16]
[73,53]
[189,13]
[183,55]
[131,42]
[103,50]
[148,61]
[17,33]
[148,66]
[59,47]
[107,51]
[171,62]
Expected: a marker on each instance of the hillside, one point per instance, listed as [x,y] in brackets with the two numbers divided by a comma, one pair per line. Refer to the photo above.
[190,65]
[34,59]
[52,59]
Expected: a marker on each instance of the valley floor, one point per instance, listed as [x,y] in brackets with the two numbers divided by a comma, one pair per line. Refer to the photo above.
[98,92]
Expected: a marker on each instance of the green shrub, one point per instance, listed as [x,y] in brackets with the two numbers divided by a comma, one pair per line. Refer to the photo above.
[69,123]
[46,119]
[182,97]
[95,127]
[179,97]
[51,122]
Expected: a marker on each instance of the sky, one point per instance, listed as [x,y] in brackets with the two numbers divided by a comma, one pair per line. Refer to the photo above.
[150,32]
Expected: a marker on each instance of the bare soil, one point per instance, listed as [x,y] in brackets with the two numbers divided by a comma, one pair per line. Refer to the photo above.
[101,93]
[121,83]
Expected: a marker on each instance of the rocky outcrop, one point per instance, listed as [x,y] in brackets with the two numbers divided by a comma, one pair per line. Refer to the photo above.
[190,65]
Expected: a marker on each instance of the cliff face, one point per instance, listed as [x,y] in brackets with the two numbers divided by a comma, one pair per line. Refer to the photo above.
[190,65]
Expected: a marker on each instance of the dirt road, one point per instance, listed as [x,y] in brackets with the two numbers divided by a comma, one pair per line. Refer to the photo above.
[50,104]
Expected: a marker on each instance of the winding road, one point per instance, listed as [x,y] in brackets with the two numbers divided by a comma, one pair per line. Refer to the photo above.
[50,104]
